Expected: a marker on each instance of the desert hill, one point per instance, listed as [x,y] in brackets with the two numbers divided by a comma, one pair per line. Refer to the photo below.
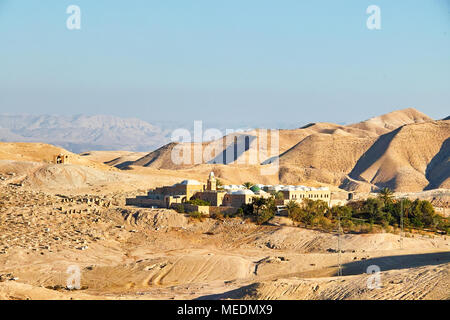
[410,158]
[113,158]
[323,157]
[392,120]
[327,153]
[44,153]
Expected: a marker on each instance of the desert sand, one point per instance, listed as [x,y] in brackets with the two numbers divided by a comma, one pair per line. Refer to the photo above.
[55,217]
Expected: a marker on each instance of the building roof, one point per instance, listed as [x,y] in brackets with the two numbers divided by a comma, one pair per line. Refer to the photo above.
[248,192]
[190,182]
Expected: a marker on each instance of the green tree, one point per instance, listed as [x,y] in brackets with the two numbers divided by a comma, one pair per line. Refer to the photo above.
[264,209]
[247,209]
[291,205]
[258,204]
[248,185]
[279,195]
[373,210]
[297,214]
[386,195]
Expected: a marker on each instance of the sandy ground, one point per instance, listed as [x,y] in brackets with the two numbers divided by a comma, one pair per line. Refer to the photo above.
[55,217]
[133,253]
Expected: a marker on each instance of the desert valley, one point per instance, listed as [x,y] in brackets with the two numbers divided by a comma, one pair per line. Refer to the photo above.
[58,217]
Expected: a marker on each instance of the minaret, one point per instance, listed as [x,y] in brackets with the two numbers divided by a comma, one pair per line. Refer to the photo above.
[211,186]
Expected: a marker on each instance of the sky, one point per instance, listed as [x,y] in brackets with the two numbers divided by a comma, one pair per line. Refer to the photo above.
[255,61]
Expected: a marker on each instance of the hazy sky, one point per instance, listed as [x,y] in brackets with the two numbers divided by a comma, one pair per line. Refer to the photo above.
[283,61]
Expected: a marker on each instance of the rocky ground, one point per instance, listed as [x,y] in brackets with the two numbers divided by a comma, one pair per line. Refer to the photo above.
[133,253]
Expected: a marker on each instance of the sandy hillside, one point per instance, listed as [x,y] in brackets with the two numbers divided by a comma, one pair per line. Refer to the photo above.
[112,158]
[391,121]
[323,157]
[411,158]
[44,153]
[428,283]
[330,154]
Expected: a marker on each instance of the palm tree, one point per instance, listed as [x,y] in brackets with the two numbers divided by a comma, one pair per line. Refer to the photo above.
[386,195]
[247,185]
[291,205]
[279,195]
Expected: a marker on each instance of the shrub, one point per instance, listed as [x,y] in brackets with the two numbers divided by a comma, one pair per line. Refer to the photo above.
[297,214]
[240,212]
[180,208]
[347,224]
[196,215]
[264,215]
[199,202]
[247,209]
[325,223]
[217,215]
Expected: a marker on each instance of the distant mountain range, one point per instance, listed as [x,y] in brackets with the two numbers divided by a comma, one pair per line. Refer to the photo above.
[81,133]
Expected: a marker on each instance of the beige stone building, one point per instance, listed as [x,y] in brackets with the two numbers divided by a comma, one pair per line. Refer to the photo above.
[233,196]
[238,198]
[165,197]
[323,194]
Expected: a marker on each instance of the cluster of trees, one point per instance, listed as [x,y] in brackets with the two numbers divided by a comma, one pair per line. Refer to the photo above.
[383,210]
[261,209]
[361,215]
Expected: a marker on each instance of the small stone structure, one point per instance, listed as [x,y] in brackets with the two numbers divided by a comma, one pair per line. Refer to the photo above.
[61,158]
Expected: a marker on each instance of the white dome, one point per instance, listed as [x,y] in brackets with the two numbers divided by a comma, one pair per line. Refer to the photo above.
[190,182]
[249,192]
